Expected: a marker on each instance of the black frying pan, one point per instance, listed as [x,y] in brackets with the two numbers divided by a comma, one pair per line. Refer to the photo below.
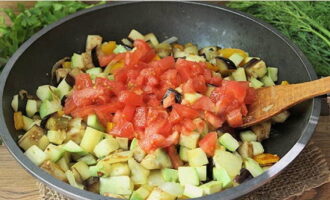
[199,23]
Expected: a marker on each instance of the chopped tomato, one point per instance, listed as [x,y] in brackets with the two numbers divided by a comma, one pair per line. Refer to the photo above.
[185,111]
[123,129]
[140,117]
[213,119]
[143,53]
[187,126]
[104,118]
[69,105]
[174,157]
[188,86]
[208,143]
[130,98]
[174,117]
[199,84]
[169,100]
[234,118]
[104,60]
[204,103]
[83,112]
[250,96]
[83,81]
[128,113]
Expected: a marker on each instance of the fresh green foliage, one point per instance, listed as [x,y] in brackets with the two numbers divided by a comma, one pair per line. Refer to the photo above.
[29,21]
[307,23]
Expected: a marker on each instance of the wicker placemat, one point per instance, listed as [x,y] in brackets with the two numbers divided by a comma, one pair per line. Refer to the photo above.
[308,171]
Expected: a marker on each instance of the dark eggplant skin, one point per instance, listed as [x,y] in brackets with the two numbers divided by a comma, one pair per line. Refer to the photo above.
[69,79]
[92,184]
[22,101]
[209,170]
[44,121]
[227,129]
[251,62]
[243,176]
[95,59]
[58,64]
[228,62]
[63,100]
[177,95]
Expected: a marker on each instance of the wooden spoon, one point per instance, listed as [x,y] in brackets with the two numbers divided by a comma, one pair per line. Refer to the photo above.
[275,99]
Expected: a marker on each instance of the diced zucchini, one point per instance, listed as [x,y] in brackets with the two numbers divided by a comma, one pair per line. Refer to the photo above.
[152,38]
[72,181]
[189,141]
[172,188]
[63,88]
[89,159]
[150,162]
[191,97]
[246,149]
[163,158]
[27,122]
[170,175]
[155,178]
[118,157]
[192,191]
[267,81]
[36,155]
[183,153]
[239,74]
[72,147]
[139,174]
[53,169]
[202,172]
[77,61]
[138,153]
[197,157]
[123,142]
[56,137]
[92,121]
[257,148]
[63,164]
[31,107]
[272,73]
[121,185]
[158,194]
[94,72]
[281,117]
[105,147]
[230,162]
[236,58]
[49,107]
[31,137]
[82,169]
[257,69]
[102,168]
[188,175]
[255,83]
[53,152]
[211,187]
[119,49]
[248,136]
[228,141]
[253,167]
[14,103]
[45,92]
[220,174]
[140,194]
[90,139]
[120,169]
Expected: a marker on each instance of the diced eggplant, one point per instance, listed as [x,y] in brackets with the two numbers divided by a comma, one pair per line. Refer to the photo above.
[95,59]
[55,78]
[57,123]
[195,58]
[163,50]
[281,117]
[126,42]
[246,149]
[262,130]
[134,35]
[209,52]
[44,120]
[255,68]
[93,41]
[177,95]
[22,101]
[150,37]
[224,65]
[227,129]
[31,137]
[54,170]
[190,49]
[92,184]
[243,176]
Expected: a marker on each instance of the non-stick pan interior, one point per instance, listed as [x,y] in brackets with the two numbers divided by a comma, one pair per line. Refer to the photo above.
[190,22]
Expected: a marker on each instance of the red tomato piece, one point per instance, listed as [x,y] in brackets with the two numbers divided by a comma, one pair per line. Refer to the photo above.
[234,118]
[128,113]
[69,105]
[169,100]
[199,84]
[104,117]
[188,86]
[86,96]
[123,129]
[208,143]
[110,107]
[188,126]
[250,96]
[236,88]
[142,53]
[214,120]
[151,142]
[204,103]
[140,117]
[185,111]
[174,117]
[104,60]
[130,98]
[175,158]
[83,112]
[83,81]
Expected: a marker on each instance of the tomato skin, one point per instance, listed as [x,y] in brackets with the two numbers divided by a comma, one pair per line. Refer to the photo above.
[199,84]
[123,129]
[234,118]
[174,157]
[128,113]
[208,143]
[140,117]
[83,81]
[130,98]
[185,111]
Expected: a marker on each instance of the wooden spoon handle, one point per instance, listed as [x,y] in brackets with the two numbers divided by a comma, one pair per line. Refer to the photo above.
[273,100]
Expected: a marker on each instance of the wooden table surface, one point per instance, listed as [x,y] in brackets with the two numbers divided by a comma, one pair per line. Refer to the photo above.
[16,183]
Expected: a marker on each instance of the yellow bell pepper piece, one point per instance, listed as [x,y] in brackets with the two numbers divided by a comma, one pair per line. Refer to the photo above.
[227,52]
[108,47]
[110,126]
[66,64]
[178,46]
[266,159]
[211,67]
[156,57]
[110,69]
[285,83]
